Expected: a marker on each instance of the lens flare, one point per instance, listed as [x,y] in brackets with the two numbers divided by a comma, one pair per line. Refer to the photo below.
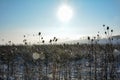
[65,13]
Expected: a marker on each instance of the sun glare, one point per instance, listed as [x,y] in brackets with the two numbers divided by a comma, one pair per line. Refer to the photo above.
[65,13]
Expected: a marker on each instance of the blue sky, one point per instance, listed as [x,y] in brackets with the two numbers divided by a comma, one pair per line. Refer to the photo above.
[18,17]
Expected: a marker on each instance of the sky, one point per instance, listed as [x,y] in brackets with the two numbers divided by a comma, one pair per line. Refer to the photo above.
[28,17]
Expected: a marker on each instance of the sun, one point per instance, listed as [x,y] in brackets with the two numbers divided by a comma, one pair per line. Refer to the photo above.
[65,13]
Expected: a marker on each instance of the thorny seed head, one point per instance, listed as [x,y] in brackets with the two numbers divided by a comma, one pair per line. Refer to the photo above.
[39,33]
[56,40]
[97,35]
[103,25]
[92,40]
[41,37]
[107,27]
[105,32]
[50,41]
[43,41]
[112,30]
[88,38]
[24,36]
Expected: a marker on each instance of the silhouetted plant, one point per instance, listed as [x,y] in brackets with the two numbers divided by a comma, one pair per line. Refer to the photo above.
[88,38]
[107,27]
[64,61]
[56,40]
[39,34]
[24,36]
[108,35]
[50,41]
[112,30]
[105,33]
[41,37]
[43,41]
[103,25]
